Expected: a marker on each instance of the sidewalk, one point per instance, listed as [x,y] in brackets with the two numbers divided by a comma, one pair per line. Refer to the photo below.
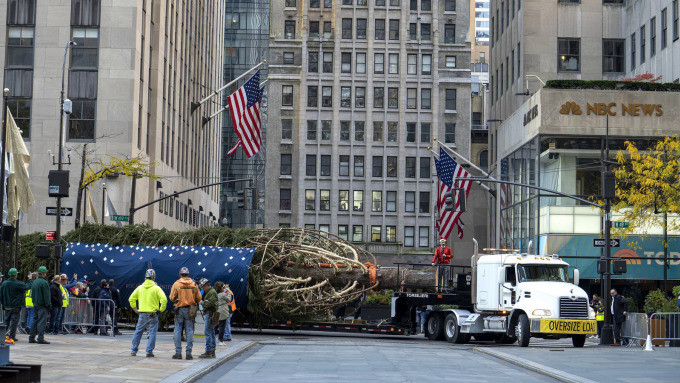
[94,358]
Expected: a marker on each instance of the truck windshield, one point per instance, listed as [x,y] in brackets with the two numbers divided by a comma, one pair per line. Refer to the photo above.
[532,273]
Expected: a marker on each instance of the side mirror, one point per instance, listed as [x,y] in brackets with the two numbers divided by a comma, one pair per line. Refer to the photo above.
[501,275]
[576,277]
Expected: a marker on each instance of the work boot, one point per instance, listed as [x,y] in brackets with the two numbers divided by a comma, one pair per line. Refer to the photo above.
[150,355]
[206,355]
[212,354]
[189,357]
[43,342]
[31,340]
[177,356]
[8,339]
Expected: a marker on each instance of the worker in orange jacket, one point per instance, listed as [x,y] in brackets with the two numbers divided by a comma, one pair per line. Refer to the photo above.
[442,256]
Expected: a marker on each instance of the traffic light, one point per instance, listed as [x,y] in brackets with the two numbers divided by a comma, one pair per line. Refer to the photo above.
[450,201]
[240,199]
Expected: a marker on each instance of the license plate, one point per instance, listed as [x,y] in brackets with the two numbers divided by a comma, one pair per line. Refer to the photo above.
[568,326]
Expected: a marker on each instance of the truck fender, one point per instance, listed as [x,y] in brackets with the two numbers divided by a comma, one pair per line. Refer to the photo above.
[460,314]
[512,321]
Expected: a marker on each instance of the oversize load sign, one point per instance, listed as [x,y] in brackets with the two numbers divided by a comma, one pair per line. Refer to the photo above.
[568,326]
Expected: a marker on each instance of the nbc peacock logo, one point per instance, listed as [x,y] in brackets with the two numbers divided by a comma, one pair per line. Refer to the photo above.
[629,255]
[571,108]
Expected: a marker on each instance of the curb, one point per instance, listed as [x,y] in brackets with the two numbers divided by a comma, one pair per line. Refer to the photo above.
[535,367]
[200,369]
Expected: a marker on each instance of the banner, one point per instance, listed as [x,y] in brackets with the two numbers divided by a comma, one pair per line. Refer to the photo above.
[127,265]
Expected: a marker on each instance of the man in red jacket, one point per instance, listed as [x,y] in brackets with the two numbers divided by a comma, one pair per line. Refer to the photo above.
[442,256]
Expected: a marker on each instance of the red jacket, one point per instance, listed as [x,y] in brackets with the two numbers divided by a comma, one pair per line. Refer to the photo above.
[442,257]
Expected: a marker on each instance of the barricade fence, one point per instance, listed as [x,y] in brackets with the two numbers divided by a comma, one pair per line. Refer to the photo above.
[87,314]
[635,329]
[663,329]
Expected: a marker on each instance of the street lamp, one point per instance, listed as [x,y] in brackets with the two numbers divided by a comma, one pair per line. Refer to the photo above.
[64,110]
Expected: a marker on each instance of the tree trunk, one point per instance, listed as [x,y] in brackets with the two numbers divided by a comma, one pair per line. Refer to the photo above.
[387,278]
[79,197]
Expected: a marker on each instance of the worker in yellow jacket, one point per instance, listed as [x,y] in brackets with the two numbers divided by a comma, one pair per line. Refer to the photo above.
[148,300]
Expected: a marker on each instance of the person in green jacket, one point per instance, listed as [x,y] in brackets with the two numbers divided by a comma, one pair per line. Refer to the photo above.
[13,295]
[148,300]
[209,307]
[42,304]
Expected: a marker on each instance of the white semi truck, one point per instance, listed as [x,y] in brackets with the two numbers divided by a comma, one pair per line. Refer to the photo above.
[516,297]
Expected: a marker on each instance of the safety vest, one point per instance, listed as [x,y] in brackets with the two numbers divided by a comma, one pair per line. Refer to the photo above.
[600,314]
[64,301]
[232,302]
[29,300]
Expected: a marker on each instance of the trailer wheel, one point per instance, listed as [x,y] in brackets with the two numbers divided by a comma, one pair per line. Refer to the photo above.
[434,330]
[578,340]
[522,330]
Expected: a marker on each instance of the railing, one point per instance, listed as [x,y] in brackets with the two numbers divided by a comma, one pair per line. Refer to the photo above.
[635,329]
[661,329]
[99,314]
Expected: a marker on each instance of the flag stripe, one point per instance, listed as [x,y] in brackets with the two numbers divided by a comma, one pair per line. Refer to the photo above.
[244,106]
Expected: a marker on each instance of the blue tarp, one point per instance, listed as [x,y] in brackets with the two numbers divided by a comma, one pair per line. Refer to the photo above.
[127,265]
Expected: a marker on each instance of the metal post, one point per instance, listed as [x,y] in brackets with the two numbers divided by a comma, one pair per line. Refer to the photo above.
[665,252]
[3,139]
[131,219]
[607,332]
[103,200]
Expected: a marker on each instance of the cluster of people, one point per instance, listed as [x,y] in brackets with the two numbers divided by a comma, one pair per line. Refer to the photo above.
[188,297]
[618,310]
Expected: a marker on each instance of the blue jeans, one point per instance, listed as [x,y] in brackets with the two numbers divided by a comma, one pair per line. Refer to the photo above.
[38,328]
[209,332]
[13,316]
[54,320]
[29,317]
[227,332]
[182,321]
[421,316]
[145,320]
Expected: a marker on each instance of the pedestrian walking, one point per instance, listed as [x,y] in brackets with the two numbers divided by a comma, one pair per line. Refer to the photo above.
[442,257]
[619,309]
[185,296]
[148,300]
[12,293]
[209,309]
[42,304]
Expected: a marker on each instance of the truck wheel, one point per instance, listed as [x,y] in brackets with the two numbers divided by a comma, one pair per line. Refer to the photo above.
[578,340]
[522,330]
[434,330]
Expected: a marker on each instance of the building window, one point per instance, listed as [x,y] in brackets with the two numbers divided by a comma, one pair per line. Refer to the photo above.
[676,15]
[664,28]
[413,5]
[449,5]
[393,67]
[394,29]
[327,29]
[425,98]
[632,51]
[324,200]
[392,166]
[426,65]
[379,3]
[312,97]
[345,97]
[412,31]
[613,56]
[286,129]
[342,232]
[85,54]
[361,29]
[326,130]
[390,234]
[357,233]
[284,200]
[346,28]
[450,134]
[325,166]
[361,63]
[411,98]
[83,12]
[347,2]
[392,131]
[380,29]
[410,132]
[424,236]
[313,65]
[376,234]
[358,166]
[410,202]
[310,199]
[652,37]
[286,164]
[346,62]
[377,131]
[519,68]
[289,30]
[343,198]
[391,205]
[450,61]
[424,167]
[412,64]
[359,131]
[410,168]
[310,165]
[376,204]
[287,95]
[424,206]
[358,201]
[82,119]
[379,98]
[310,226]
[291,3]
[409,235]
[425,132]
[393,98]
[450,99]
[21,111]
[344,166]
[377,167]
[425,32]
[314,29]
[643,36]
[327,62]
[360,97]
[327,96]
[394,3]
[344,130]
[568,55]
[379,63]
[449,33]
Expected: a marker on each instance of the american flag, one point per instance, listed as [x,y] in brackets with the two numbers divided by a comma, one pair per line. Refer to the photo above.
[448,172]
[244,106]
[505,202]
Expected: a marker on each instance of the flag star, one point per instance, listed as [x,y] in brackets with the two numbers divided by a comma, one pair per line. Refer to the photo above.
[121,250]
[231,257]
[241,279]
[101,251]
[243,259]
[73,253]
[133,253]
[82,262]
[229,270]
[67,263]
[199,263]
[226,264]
[91,260]
[206,253]
[111,261]
[204,269]
[105,258]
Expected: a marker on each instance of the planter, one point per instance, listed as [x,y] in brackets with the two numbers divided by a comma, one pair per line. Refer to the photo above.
[658,330]
[375,312]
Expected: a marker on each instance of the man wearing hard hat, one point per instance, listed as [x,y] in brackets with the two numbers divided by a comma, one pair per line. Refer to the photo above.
[12,293]
[42,304]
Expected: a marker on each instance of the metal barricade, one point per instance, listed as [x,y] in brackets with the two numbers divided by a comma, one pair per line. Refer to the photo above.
[635,329]
[666,328]
[87,314]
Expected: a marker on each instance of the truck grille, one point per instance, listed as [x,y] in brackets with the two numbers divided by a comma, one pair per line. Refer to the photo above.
[577,309]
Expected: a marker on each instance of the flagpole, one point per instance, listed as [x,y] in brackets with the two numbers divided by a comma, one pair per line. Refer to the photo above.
[196,105]
[487,175]
[479,183]
[206,120]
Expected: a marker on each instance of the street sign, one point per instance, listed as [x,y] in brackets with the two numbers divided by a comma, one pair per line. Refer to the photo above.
[120,218]
[65,211]
[613,242]
[620,224]
[50,235]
